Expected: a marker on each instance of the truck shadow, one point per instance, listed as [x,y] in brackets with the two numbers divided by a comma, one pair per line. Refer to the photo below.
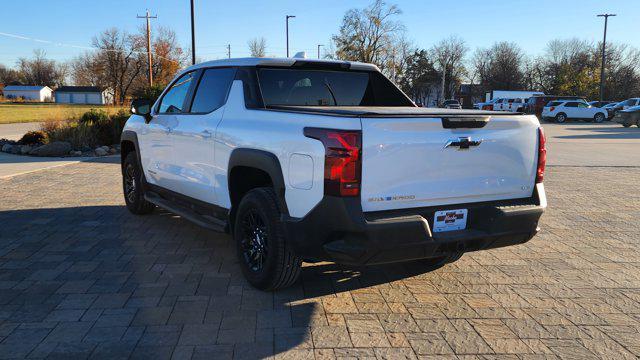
[603,133]
[167,275]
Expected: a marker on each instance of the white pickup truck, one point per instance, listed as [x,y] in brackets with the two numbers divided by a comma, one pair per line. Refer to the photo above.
[305,160]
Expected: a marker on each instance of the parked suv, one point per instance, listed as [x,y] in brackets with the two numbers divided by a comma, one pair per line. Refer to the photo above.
[535,104]
[305,160]
[560,111]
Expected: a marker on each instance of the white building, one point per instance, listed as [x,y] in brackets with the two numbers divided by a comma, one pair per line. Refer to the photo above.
[83,95]
[29,93]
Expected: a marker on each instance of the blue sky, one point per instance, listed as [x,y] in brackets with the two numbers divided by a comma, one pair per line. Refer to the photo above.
[219,23]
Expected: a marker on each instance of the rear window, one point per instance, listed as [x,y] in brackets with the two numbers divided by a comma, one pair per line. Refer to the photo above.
[294,87]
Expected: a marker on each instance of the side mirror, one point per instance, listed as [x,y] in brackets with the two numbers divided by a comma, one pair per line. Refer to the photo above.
[142,107]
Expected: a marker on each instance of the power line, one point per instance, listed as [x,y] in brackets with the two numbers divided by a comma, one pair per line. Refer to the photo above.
[22,37]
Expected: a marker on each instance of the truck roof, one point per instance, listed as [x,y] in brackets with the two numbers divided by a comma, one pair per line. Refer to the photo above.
[284,62]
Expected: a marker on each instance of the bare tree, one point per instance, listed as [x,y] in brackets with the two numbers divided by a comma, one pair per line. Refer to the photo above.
[500,67]
[41,71]
[369,35]
[258,47]
[8,76]
[120,57]
[448,55]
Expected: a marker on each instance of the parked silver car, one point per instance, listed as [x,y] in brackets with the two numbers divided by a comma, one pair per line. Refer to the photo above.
[451,104]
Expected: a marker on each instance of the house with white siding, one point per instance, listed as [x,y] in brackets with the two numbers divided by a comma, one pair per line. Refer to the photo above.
[83,95]
[29,93]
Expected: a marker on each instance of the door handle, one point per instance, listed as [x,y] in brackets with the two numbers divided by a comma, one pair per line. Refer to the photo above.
[206,134]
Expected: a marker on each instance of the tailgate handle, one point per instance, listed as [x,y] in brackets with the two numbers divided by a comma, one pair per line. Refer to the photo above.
[463,143]
[466,122]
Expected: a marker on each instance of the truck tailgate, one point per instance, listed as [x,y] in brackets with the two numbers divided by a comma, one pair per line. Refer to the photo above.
[417,162]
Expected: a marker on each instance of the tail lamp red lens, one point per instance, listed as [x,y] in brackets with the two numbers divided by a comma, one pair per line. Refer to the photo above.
[552,108]
[542,156]
[342,160]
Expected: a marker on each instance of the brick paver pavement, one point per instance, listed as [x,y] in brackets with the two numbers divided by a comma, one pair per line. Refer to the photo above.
[81,277]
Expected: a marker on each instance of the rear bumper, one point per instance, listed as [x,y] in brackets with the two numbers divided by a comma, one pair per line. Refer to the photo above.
[337,230]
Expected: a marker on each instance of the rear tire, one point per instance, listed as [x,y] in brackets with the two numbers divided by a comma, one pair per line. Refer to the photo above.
[561,118]
[266,259]
[132,186]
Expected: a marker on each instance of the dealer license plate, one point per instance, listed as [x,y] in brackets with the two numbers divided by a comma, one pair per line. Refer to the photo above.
[450,220]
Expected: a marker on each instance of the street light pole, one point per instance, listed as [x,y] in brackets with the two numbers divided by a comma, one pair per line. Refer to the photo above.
[604,47]
[193,37]
[319,45]
[287,30]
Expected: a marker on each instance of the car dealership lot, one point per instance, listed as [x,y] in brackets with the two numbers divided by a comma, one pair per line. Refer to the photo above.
[81,276]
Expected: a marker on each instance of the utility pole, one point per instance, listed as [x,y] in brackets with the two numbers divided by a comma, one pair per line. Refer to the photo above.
[229,51]
[604,47]
[193,37]
[287,31]
[319,45]
[148,17]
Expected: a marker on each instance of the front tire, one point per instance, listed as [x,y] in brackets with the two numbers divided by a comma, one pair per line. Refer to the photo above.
[266,259]
[132,186]
[599,117]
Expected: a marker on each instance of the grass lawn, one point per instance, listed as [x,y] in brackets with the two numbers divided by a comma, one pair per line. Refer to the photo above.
[30,112]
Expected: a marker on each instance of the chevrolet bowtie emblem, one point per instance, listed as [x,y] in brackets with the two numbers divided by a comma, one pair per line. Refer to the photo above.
[462,143]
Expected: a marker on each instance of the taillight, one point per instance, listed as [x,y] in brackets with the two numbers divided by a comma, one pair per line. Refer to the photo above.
[552,108]
[342,160]
[542,156]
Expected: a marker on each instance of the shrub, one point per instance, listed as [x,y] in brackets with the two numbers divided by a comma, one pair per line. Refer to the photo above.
[94,128]
[34,137]
[94,116]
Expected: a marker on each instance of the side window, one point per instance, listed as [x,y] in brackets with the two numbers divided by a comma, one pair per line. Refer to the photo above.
[212,90]
[583,105]
[173,99]
[571,104]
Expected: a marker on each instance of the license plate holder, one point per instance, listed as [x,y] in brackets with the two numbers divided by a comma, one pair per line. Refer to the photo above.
[450,220]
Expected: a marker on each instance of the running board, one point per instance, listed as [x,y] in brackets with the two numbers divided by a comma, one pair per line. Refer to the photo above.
[207,222]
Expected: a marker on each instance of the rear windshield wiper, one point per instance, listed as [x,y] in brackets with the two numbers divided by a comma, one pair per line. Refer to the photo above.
[333,96]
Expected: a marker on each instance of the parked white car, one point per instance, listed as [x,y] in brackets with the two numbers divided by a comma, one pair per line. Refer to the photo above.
[317,160]
[560,111]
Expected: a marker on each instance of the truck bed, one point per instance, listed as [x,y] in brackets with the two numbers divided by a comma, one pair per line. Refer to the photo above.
[386,111]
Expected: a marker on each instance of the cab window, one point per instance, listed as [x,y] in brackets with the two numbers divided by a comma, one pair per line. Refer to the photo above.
[212,90]
[173,100]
